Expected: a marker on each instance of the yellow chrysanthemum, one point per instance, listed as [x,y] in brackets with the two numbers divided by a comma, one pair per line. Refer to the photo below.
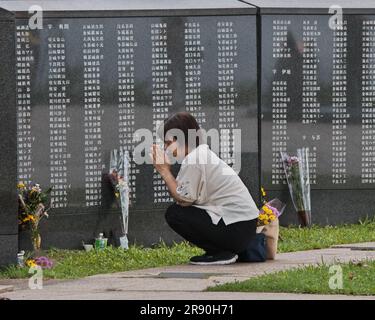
[263,192]
[29,217]
[31,263]
[21,185]
[267,210]
[272,218]
[262,217]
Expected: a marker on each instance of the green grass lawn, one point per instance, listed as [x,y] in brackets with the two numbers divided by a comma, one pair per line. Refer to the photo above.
[71,264]
[357,279]
[316,237]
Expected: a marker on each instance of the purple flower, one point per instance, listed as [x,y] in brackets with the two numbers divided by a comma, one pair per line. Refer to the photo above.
[294,160]
[44,262]
[287,159]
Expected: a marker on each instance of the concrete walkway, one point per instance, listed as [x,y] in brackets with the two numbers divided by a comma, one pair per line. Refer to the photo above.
[189,282]
[5,288]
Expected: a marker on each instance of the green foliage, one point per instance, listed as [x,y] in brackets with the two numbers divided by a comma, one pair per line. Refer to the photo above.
[358,279]
[71,264]
[318,237]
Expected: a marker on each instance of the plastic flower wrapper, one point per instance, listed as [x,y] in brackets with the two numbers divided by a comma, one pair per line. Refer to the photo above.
[119,173]
[296,170]
[269,212]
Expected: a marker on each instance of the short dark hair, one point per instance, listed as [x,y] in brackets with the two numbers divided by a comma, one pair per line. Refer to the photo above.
[183,121]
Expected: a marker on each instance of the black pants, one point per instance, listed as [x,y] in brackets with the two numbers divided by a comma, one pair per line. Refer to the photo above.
[195,225]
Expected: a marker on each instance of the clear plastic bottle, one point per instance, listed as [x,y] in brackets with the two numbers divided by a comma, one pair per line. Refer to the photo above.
[100,242]
[21,259]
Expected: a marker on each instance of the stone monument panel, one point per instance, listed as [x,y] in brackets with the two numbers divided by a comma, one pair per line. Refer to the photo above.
[317,92]
[94,74]
[8,141]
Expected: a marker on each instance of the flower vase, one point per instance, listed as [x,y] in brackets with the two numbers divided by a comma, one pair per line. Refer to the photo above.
[36,240]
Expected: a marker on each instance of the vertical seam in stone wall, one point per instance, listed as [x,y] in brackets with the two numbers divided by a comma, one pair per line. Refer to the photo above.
[259,94]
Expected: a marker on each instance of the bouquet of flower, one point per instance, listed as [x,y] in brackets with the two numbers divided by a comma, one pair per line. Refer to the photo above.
[119,175]
[32,207]
[269,212]
[297,175]
[43,262]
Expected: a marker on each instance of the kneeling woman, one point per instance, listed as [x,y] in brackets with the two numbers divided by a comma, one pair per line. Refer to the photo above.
[214,210]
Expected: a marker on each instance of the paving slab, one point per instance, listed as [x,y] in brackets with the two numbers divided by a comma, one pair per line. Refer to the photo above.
[6,288]
[189,281]
[193,296]
[367,246]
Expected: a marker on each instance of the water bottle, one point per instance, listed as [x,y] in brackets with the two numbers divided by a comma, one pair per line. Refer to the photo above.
[100,242]
[21,259]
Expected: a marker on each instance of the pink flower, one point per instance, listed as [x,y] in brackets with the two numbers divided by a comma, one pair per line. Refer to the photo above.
[44,262]
[294,159]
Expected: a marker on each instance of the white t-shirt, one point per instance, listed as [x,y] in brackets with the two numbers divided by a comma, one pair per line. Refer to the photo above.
[210,184]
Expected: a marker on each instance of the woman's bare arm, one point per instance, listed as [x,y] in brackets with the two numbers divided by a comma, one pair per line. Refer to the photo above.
[171,183]
[163,167]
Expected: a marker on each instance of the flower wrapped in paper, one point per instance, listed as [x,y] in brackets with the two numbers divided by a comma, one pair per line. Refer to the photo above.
[296,170]
[269,212]
[119,174]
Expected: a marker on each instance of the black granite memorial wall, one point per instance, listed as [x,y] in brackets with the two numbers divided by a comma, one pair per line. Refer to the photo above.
[317,90]
[8,141]
[100,70]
